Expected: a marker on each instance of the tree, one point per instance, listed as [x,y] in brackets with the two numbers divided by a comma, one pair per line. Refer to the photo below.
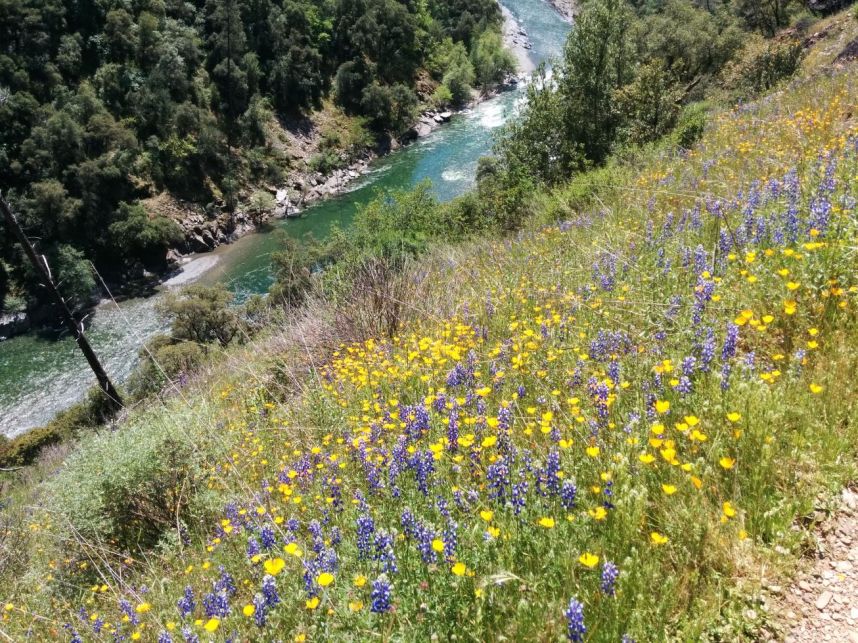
[649,105]
[491,61]
[597,61]
[145,237]
[201,314]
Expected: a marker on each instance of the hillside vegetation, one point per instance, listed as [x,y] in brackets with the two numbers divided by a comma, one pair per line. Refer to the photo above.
[611,425]
[106,104]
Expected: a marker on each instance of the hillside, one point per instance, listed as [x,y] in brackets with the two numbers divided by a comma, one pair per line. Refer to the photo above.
[617,423]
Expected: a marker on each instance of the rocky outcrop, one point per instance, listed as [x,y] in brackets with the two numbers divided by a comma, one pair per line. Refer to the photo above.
[12,324]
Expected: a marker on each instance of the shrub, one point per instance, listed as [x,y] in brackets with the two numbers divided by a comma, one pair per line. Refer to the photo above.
[131,487]
[761,66]
[690,125]
[163,361]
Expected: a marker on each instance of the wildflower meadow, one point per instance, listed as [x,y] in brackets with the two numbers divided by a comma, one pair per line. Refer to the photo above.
[606,428]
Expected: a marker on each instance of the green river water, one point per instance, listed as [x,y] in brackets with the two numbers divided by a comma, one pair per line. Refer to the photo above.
[40,376]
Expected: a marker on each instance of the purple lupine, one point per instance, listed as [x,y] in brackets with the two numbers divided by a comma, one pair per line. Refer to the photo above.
[610,573]
[186,604]
[365,530]
[575,628]
[380,596]
[568,491]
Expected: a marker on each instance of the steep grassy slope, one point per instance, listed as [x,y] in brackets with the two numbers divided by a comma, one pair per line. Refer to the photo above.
[606,427]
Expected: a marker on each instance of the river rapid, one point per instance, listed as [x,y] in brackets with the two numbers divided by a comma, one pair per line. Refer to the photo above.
[41,375]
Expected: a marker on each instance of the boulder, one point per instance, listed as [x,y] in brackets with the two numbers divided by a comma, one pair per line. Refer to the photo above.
[13,324]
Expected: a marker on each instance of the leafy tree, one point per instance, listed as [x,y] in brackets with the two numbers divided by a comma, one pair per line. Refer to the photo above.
[491,61]
[597,61]
[148,237]
[649,105]
[201,314]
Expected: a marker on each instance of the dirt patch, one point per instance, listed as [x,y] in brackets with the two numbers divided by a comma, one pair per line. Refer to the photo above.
[822,605]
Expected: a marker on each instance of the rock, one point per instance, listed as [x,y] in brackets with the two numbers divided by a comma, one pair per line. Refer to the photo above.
[196,243]
[13,324]
[282,195]
[445,116]
[804,586]
[843,566]
[823,600]
[437,118]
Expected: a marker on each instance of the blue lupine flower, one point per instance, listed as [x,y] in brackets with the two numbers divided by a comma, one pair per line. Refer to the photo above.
[186,604]
[380,596]
[610,573]
[575,617]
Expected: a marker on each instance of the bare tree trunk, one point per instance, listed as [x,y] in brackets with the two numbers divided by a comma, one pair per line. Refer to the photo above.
[41,266]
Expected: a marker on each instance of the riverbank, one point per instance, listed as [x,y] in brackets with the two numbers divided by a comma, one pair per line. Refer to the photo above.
[308,188]
[43,376]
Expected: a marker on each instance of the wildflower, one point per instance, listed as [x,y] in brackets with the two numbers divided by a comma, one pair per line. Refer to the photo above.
[248,610]
[324,579]
[657,538]
[546,522]
[734,417]
[380,596]
[143,608]
[212,624]
[274,566]
[355,606]
[662,406]
[312,603]
[727,463]
[186,604]
[610,572]
[575,617]
[728,509]
[567,495]
[487,515]
[459,569]
[669,489]
[816,388]
[598,513]
[588,560]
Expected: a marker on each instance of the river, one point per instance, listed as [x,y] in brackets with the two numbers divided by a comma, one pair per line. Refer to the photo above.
[42,376]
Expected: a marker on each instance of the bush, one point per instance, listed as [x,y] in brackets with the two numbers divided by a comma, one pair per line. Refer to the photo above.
[690,125]
[201,314]
[131,487]
[761,66]
[161,362]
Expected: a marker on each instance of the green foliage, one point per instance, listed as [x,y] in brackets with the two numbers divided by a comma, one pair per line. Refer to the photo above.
[201,314]
[164,360]
[131,488]
[627,70]
[761,65]
[294,264]
[68,424]
[690,124]
[146,236]
[649,105]
[492,63]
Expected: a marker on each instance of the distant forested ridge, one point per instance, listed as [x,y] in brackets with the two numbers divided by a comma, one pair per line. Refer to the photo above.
[107,102]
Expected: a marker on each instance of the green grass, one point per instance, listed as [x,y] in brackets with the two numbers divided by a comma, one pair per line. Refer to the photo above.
[521,317]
